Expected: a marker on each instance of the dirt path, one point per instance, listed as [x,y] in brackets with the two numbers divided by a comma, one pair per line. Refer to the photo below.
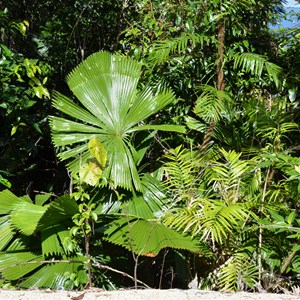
[149,294]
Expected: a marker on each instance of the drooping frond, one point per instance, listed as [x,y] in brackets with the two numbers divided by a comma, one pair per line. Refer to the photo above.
[162,50]
[256,64]
[181,173]
[213,220]
[212,104]
[238,273]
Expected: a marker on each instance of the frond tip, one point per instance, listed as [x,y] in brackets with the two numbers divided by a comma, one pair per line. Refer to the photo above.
[145,237]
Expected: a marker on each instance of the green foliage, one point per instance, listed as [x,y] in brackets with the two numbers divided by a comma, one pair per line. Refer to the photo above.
[212,219]
[45,263]
[106,85]
[231,196]
[23,89]
[146,237]
[254,63]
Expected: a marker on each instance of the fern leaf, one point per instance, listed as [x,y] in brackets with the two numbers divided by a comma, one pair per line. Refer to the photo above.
[255,64]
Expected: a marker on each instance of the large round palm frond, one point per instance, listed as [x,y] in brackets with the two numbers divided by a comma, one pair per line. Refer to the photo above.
[112,109]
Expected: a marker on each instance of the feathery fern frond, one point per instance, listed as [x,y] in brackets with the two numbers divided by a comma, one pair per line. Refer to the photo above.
[181,173]
[162,50]
[238,273]
[227,176]
[255,64]
[212,104]
[214,220]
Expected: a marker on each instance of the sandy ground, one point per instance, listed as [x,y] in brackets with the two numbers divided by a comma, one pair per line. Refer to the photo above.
[148,294]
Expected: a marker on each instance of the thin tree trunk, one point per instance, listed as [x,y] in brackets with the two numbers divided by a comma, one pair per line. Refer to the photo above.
[220,81]
[87,255]
[220,56]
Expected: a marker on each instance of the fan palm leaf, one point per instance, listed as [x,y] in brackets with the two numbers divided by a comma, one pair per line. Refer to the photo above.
[147,237]
[111,109]
[22,254]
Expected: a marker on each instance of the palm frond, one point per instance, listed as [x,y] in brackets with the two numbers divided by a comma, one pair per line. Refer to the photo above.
[7,200]
[255,64]
[218,219]
[154,194]
[112,108]
[213,220]
[56,275]
[238,273]
[149,101]
[181,172]
[106,84]
[68,107]
[73,127]
[53,240]
[15,265]
[26,216]
[227,176]
[6,232]
[150,203]
[58,211]
[146,237]
[212,104]
[162,50]
[24,257]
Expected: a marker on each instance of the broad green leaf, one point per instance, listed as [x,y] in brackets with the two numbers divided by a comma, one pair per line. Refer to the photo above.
[25,216]
[147,237]
[6,231]
[98,151]
[291,217]
[15,265]
[90,172]
[7,200]
[111,108]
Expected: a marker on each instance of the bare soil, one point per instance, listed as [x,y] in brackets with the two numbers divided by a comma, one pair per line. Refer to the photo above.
[147,294]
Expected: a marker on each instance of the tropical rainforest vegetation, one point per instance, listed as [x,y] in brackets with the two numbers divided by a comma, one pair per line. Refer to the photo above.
[149,143]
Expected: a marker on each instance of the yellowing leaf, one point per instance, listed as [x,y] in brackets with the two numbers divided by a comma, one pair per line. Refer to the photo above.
[98,151]
[297,168]
[13,130]
[90,173]
[26,23]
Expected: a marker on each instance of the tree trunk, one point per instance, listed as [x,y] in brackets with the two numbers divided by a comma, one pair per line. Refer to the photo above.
[220,81]
[220,56]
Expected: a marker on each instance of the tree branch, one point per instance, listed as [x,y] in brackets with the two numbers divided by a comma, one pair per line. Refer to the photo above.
[100,266]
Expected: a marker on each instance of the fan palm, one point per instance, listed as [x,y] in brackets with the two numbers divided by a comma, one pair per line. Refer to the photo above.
[112,110]
[33,252]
